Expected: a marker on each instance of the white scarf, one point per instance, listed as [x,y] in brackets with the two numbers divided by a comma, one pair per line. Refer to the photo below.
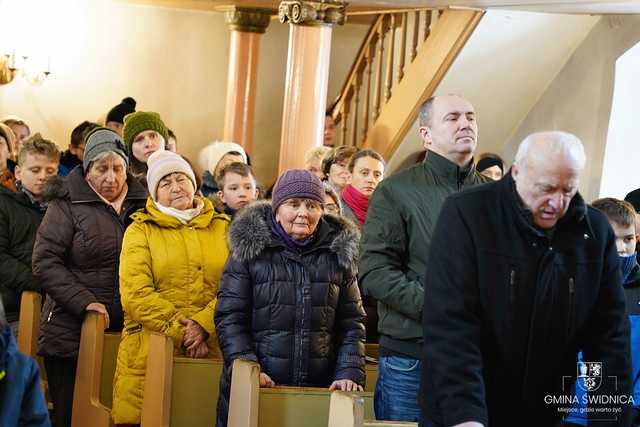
[184,216]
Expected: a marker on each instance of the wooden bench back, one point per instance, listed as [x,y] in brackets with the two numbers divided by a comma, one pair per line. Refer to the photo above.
[252,406]
[348,410]
[94,374]
[29,322]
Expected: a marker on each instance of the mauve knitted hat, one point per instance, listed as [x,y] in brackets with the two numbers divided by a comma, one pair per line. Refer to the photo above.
[296,183]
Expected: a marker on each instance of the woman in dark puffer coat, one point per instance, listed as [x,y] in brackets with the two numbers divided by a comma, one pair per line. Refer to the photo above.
[288,297]
[76,257]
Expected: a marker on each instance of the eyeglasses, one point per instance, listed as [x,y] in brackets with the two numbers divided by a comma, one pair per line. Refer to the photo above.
[332,208]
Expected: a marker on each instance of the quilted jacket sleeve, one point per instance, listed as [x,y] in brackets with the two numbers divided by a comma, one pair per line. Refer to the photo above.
[140,299]
[234,311]
[53,240]
[351,333]
[17,274]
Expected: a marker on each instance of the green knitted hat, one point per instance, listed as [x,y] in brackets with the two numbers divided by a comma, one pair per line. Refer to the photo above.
[140,121]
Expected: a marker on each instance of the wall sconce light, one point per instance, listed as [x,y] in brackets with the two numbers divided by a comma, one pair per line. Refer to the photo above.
[12,65]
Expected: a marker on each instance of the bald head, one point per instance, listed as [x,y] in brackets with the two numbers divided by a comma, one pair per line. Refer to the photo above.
[546,172]
[543,147]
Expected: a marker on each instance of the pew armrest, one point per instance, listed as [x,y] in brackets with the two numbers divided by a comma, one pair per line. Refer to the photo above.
[30,309]
[156,404]
[245,394]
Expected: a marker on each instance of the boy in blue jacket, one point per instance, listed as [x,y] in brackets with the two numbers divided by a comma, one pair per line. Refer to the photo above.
[21,400]
[621,216]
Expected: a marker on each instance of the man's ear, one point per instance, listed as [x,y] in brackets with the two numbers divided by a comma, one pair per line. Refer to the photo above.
[425,134]
[515,171]
[256,193]
[17,173]
[221,196]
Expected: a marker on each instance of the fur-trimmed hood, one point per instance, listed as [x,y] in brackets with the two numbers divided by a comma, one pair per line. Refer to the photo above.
[251,232]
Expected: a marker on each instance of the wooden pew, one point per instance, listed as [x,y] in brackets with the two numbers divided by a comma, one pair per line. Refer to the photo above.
[348,410]
[179,391]
[252,406]
[94,375]
[29,322]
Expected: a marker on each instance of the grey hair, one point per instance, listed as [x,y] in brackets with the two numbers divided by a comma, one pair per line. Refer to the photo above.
[104,155]
[555,142]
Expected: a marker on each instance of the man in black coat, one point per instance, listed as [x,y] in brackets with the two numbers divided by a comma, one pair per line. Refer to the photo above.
[20,216]
[525,275]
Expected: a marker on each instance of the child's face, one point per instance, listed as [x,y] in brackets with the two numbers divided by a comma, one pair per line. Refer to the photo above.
[625,238]
[238,191]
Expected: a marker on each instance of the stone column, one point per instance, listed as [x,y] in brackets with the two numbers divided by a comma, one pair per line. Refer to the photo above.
[247,26]
[305,96]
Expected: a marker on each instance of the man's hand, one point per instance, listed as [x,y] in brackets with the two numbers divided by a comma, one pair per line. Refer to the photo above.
[99,308]
[345,385]
[266,381]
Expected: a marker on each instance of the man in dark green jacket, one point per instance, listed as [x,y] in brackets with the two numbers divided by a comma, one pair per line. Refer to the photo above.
[395,244]
[20,216]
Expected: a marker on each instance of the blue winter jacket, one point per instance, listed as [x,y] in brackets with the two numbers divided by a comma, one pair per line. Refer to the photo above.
[578,414]
[21,400]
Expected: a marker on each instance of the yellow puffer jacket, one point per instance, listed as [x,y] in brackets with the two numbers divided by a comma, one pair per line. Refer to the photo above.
[168,271]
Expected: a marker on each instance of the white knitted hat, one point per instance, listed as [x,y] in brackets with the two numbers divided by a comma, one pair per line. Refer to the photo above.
[162,163]
[211,155]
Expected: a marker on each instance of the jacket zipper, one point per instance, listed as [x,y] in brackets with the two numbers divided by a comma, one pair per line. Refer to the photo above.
[512,286]
[572,291]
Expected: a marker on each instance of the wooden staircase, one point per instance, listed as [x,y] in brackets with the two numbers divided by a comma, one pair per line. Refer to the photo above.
[403,58]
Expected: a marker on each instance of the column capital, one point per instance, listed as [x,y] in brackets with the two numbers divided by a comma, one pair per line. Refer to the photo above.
[248,20]
[308,12]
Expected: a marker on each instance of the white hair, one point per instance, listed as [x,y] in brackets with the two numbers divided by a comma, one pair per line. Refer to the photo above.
[551,143]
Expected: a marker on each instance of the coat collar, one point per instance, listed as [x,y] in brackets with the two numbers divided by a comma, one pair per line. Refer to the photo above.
[251,233]
[576,215]
[437,165]
[152,214]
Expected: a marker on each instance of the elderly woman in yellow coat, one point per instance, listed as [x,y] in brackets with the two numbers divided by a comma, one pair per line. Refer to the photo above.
[173,255]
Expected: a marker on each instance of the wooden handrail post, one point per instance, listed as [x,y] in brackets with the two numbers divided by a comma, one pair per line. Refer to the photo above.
[390,58]
[367,91]
[378,85]
[403,45]
[356,101]
[416,31]
[427,24]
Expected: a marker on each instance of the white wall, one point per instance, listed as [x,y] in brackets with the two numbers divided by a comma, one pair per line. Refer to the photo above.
[171,61]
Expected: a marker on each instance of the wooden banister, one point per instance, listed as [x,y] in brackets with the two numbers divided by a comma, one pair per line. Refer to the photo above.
[347,410]
[29,322]
[87,408]
[367,90]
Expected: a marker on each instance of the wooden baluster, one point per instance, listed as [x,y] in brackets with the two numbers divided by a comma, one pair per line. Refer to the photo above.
[345,117]
[367,90]
[416,31]
[378,87]
[356,101]
[392,42]
[403,45]
[427,24]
